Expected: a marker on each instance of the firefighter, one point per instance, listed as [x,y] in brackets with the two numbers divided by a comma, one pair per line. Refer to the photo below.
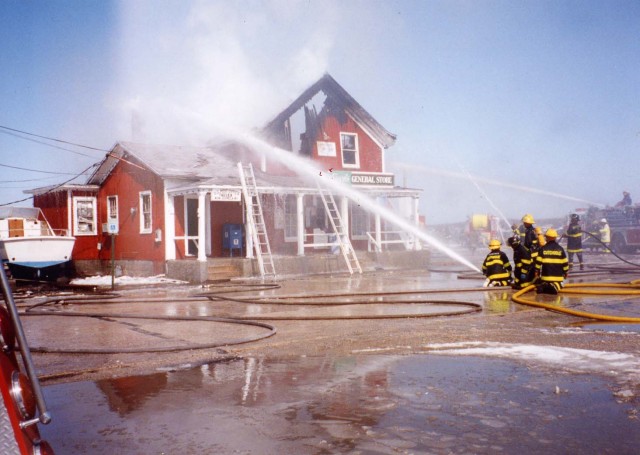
[573,235]
[522,270]
[496,266]
[527,233]
[605,234]
[551,265]
[626,200]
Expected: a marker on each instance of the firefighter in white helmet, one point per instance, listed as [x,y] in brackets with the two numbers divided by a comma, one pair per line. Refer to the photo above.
[551,266]
[605,234]
[496,266]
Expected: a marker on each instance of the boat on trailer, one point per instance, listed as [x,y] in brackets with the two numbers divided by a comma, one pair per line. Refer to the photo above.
[30,248]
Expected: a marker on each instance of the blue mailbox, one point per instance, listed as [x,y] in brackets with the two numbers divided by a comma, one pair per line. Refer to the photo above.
[232,237]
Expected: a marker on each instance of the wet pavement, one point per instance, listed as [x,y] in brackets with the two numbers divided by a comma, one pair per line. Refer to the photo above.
[356,404]
[426,362]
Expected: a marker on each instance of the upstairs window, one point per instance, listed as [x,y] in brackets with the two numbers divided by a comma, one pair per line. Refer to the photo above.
[349,146]
[84,220]
[145,212]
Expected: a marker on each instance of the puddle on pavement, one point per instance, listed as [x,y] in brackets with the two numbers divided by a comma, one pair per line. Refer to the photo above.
[611,327]
[356,404]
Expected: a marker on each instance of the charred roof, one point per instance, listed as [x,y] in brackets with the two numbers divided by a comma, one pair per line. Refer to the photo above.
[338,99]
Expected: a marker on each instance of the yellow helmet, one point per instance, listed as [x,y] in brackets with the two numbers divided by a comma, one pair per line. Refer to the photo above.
[528,219]
[494,244]
[551,233]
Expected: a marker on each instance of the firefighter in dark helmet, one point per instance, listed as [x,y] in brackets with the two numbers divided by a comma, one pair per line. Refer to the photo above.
[551,265]
[496,266]
[522,264]
[573,235]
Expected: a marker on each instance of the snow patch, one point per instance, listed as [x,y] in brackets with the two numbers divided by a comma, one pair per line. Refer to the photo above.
[124,280]
[625,367]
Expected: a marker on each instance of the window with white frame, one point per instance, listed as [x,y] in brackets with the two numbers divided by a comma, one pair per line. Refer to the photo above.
[359,222]
[84,220]
[290,217]
[112,208]
[349,147]
[145,212]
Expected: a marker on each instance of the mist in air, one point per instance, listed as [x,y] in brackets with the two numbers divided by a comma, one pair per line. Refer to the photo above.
[190,73]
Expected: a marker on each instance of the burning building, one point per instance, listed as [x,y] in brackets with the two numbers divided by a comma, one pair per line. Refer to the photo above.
[181,210]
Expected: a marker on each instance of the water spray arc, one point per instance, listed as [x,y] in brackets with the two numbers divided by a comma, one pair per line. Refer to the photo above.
[528,189]
[486,196]
[307,168]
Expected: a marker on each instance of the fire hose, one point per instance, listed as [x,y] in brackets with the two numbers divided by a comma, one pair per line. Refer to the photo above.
[631,289]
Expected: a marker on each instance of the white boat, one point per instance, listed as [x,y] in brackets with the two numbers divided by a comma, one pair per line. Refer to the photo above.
[29,246]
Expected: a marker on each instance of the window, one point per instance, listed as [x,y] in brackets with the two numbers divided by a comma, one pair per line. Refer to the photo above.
[359,222]
[112,208]
[84,222]
[145,212]
[290,217]
[349,145]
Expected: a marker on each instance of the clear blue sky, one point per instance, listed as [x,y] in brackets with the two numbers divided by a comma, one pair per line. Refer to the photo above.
[539,94]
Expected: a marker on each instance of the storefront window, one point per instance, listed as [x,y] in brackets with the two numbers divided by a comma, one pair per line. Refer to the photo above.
[359,222]
[290,218]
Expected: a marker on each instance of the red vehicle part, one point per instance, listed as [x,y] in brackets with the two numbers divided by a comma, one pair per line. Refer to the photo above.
[21,394]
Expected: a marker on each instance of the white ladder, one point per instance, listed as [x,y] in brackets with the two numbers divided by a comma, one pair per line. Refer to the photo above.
[257,227]
[342,236]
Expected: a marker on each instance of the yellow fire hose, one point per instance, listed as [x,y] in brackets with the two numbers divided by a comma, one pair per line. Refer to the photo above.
[632,288]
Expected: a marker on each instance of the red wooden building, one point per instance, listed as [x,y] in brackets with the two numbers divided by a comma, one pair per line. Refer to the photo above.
[168,208]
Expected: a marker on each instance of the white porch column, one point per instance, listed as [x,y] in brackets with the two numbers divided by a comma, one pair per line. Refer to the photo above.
[378,228]
[207,215]
[248,234]
[344,214]
[202,253]
[416,220]
[300,222]
[169,228]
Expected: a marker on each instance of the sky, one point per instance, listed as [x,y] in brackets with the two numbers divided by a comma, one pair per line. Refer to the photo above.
[499,107]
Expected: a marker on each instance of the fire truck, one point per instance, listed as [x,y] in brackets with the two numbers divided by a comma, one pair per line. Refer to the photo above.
[481,228]
[22,407]
[624,223]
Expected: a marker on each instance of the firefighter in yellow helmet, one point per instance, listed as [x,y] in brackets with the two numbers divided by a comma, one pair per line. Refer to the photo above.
[496,266]
[528,235]
[551,266]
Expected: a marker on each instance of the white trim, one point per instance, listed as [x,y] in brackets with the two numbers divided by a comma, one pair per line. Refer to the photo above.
[169,227]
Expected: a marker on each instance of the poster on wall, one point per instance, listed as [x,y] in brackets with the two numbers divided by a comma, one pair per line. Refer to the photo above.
[326,148]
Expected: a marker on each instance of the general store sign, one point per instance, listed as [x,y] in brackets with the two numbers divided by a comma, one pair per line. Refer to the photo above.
[366,178]
[225,195]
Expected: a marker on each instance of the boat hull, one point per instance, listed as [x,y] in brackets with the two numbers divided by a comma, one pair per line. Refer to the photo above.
[38,258]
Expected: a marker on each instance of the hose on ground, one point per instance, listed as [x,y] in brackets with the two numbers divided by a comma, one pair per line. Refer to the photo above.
[608,248]
[613,289]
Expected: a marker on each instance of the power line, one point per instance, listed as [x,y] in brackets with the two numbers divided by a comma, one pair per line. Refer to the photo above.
[44,143]
[37,170]
[53,139]
[54,187]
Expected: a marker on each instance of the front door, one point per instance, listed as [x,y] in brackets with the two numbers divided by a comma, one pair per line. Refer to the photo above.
[191,222]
